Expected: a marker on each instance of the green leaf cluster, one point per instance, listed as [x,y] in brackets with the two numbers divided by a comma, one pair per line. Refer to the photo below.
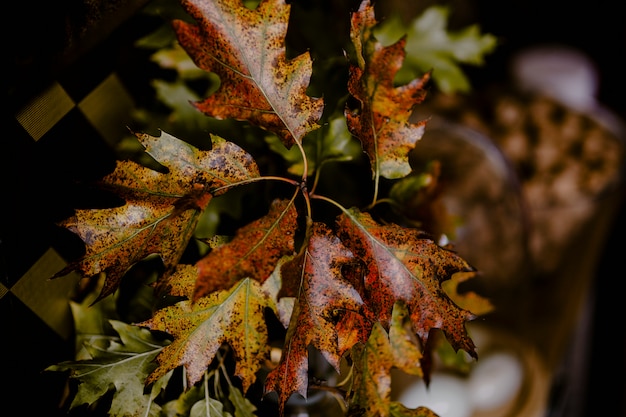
[432,47]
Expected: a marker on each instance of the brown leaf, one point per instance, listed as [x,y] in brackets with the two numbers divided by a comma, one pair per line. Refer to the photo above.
[246,49]
[382,121]
[161,209]
[253,252]
[322,297]
[235,316]
[405,265]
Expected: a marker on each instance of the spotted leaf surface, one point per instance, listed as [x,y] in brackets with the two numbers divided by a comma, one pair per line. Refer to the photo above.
[161,210]
[405,265]
[321,298]
[234,316]
[254,251]
[370,394]
[381,121]
[246,49]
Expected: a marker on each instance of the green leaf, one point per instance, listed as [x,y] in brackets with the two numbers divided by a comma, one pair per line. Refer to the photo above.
[182,405]
[332,142]
[243,406]
[209,407]
[430,46]
[123,367]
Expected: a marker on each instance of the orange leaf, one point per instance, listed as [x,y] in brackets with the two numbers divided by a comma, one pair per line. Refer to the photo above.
[405,265]
[382,121]
[161,209]
[246,49]
[322,298]
[254,251]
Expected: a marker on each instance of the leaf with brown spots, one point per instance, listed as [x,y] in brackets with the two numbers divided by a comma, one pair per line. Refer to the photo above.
[322,297]
[254,251]
[371,387]
[235,316]
[405,347]
[406,265]
[246,49]
[161,210]
[381,121]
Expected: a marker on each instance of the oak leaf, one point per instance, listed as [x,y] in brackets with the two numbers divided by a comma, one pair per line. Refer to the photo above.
[406,265]
[370,393]
[253,252]
[404,345]
[246,49]
[161,210]
[235,316]
[120,365]
[381,122]
[322,296]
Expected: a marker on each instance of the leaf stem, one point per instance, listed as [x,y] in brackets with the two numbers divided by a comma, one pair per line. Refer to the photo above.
[257,179]
[329,200]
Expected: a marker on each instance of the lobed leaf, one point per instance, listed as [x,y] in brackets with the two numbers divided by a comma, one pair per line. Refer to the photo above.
[406,265]
[234,316]
[246,49]
[322,297]
[381,122]
[253,252]
[123,367]
[161,210]
[371,388]
[432,47]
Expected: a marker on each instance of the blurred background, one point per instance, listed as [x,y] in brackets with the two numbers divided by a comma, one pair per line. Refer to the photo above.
[77,63]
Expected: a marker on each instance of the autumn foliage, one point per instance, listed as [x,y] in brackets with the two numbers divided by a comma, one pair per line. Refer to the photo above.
[362,290]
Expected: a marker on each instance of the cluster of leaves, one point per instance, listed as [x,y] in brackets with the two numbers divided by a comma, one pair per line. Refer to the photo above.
[366,292]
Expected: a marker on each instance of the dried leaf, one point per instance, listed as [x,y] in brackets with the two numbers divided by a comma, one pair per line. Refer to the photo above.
[469,300]
[406,265]
[404,345]
[322,296]
[382,121]
[253,252]
[246,49]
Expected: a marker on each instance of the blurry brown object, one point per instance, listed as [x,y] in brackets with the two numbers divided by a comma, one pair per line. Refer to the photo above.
[566,161]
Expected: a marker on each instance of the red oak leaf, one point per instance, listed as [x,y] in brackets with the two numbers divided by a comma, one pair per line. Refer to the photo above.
[161,210]
[246,49]
[322,298]
[406,265]
[381,122]
[253,252]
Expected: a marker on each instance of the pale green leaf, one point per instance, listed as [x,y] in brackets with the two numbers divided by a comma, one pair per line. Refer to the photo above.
[333,142]
[243,406]
[431,46]
[208,407]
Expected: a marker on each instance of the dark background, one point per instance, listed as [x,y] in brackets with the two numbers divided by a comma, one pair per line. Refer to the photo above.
[599,30]
[49,37]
